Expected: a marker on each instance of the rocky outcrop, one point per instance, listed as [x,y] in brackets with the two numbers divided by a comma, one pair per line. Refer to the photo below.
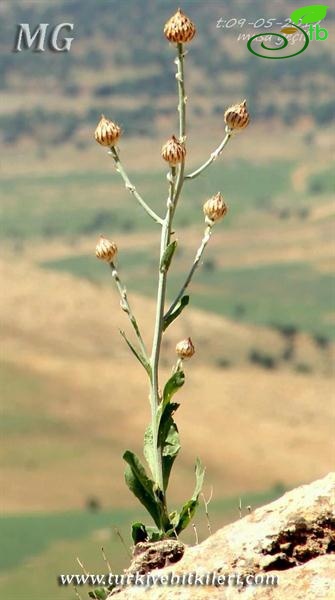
[291,539]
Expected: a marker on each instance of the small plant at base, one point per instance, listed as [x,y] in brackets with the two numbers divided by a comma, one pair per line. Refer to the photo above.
[161,438]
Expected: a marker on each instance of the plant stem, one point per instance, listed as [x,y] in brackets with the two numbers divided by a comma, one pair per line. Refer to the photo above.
[175,186]
[200,251]
[158,332]
[212,157]
[120,169]
[182,119]
[126,308]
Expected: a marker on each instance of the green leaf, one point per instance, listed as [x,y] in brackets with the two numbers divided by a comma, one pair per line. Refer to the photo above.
[167,257]
[142,487]
[168,441]
[189,507]
[138,355]
[174,518]
[176,312]
[148,449]
[186,515]
[168,436]
[199,479]
[172,386]
[99,594]
[139,533]
[154,535]
[309,14]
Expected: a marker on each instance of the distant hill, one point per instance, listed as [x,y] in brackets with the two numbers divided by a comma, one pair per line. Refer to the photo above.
[119,54]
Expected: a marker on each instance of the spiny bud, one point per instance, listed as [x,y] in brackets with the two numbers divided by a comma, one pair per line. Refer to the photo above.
[237,116]
[215,208]
[107,133]
[179,29]
[185,349]
[105,249]
[173,151]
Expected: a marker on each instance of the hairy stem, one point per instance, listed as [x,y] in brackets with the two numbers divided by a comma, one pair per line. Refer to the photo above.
[200,251]
[212,157]
[120,169]
[127,309]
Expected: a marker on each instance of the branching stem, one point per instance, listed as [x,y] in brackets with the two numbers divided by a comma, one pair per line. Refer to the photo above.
[175,186]
[120,169]
[124,303]
[199,253]
[212,157]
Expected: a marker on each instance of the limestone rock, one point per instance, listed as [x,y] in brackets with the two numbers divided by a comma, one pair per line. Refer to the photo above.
[292,538]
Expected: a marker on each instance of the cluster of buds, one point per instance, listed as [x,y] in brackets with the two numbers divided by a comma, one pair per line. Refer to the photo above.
[237,116]
[173,151]
[185,349]
[215,208]
[179,29]
[107,133]
[106,250]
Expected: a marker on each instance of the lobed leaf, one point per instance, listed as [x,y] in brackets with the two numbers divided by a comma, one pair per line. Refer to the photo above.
[168,441]
[141,486]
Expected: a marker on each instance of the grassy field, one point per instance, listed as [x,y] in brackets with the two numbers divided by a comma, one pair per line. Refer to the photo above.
[83,203]
[253,294]
[246,271]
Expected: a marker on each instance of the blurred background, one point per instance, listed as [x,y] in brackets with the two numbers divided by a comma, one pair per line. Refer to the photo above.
[257,406]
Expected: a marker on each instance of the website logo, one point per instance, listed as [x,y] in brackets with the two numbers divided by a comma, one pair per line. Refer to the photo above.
[305,15]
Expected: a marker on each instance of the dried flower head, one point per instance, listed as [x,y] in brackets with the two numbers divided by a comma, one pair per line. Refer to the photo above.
[107,133]
[237,116]
[215,208]
[105,249]
[185,349]
[179,28]
[173,151]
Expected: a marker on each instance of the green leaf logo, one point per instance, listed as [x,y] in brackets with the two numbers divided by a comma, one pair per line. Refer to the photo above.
[309,14]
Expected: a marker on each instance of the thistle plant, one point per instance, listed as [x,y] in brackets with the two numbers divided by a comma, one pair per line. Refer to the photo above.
[161,439]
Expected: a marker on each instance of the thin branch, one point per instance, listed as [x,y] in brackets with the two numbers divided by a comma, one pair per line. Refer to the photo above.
[117,531]
[82,566]
[182,99]
[194,529]
[200,251]
[120,169]
[126,308]
[212,157]
[106,560]
[206,502]
[77,594]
